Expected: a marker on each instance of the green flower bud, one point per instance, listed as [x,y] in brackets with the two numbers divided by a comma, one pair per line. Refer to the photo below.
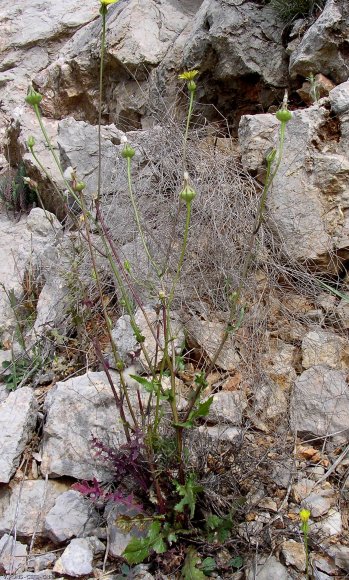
[187,194]
[128,152]
[120,366]
[33,98]
[284,115]
[191,86]
[30,142]
[80,186]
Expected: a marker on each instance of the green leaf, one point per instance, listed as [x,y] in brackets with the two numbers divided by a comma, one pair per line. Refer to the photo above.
[334,291]
[159,546]
[219,528]
[188,491]
[154,531]
[189,570]
[149,386]
[236,562]
[136,551]
[213,522]
[201,411]
[208,565]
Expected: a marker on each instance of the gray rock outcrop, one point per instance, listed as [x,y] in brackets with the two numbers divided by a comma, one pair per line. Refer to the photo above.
[312,227]
[320,402]
[77,410]
[323,48]
[72,515]
[26,505]
[18,414]
[13,555]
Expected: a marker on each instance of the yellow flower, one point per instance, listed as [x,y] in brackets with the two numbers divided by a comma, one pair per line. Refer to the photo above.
[304,515]
[107,2]
[189,75]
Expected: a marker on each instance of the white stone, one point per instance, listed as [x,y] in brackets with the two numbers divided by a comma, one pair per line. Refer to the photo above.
[320,402]
[72,515]
[88,407]
[76,559]
[320,347]
[268,568]
[205,336]
[13,555]
[228,407]
[26,504]
[18,414]
[329,526]
[294,554]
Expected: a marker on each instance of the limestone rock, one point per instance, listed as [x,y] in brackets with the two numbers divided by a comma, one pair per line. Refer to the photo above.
[340,554]
[268,568]
[125,342]
[302,489]
[294,554]
[88,407]
[72,515]
[323,47]
[320,347]
[320,402]
[28,239]
[176,338]
[42,561]
[33,500]
[221,432]
[31,36]
[329,526]
[13,555]
[76,559]
[311,228]
[71,134]
[270,401]
[28,25]
[139,36]
[339,99]
[228,407]
[319,502]
[118,540]
[23,125]
[234,41]
[18,414]
[342,312]
[205,336]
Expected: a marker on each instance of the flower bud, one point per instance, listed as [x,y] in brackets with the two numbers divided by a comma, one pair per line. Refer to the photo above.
[128,152]
[33,97]
[191,86]
[187,194]
[284,115]
[30,142]
[80,186]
